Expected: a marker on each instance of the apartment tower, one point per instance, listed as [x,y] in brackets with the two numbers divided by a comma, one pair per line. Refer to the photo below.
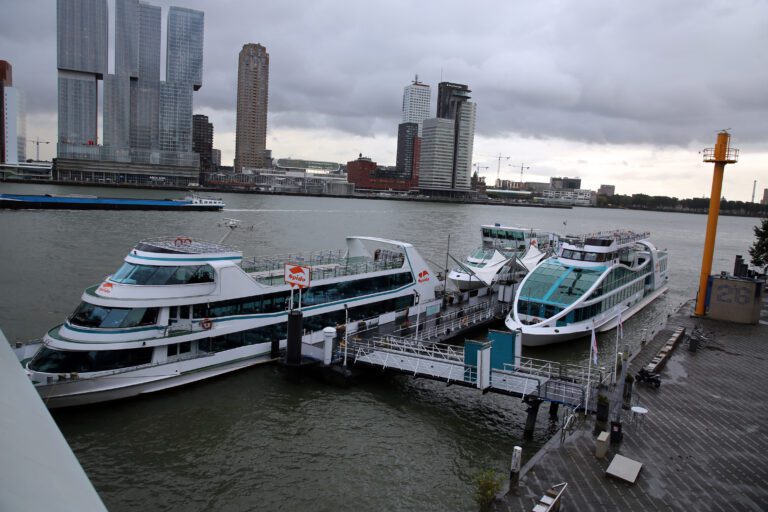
[252,104]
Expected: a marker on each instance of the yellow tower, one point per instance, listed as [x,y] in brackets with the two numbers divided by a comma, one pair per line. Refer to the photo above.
[721,154]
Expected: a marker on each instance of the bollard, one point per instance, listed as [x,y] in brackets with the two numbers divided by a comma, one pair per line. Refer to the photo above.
[514,468]
[293,350]
[329,333]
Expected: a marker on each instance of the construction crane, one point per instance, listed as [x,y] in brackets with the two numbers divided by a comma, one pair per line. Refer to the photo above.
[498,167]
[479,168]
[523,167]
[37,142]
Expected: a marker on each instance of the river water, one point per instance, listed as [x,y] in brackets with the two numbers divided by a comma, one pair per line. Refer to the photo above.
[255,440]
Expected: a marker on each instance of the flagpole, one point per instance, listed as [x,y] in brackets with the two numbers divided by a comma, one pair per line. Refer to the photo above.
[589,371]
[616,352]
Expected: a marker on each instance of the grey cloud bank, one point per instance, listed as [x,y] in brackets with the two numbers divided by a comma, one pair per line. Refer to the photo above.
[660,73]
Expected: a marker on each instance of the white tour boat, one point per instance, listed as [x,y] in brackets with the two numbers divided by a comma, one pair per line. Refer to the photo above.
[180,310]
[592,278]
[504,250]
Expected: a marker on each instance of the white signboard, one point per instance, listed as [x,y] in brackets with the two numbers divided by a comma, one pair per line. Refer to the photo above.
[298,276]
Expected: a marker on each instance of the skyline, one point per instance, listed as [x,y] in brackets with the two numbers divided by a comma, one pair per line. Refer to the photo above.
[624,94]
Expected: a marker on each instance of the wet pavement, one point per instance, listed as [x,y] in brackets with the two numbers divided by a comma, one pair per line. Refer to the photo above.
[703,442]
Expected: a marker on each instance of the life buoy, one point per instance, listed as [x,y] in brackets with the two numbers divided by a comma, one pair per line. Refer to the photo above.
[182,240]
[206,323]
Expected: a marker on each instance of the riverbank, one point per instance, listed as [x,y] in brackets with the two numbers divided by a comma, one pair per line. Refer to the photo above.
[236,190]
[701,442]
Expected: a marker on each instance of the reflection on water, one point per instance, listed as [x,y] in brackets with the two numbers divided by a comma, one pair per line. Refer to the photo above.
[256,440]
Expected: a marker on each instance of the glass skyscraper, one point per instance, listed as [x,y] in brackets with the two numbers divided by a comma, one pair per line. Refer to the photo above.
[81,51]
[146,121]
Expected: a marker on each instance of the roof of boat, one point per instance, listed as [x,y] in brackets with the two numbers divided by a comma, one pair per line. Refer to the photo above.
[183,245]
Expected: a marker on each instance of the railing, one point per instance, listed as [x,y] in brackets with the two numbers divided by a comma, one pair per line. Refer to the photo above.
[620,236]
[731,155]
[323,266]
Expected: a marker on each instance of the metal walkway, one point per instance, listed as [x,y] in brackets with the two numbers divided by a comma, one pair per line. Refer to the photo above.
[473,366]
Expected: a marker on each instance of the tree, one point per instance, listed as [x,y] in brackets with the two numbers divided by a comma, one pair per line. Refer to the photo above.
[488,486]
[759,249]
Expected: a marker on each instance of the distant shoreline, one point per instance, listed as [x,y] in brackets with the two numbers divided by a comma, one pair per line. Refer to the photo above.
[210,190]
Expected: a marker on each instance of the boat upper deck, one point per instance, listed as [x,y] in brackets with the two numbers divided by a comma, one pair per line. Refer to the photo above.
[606,239]
[323,264]
[183,245]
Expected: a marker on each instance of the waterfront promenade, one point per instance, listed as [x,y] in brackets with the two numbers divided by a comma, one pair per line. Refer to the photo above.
[703,442]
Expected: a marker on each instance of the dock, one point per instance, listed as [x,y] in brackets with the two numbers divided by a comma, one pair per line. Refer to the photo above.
[701,441]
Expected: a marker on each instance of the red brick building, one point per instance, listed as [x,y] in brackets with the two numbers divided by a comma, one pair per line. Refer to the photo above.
[368,175]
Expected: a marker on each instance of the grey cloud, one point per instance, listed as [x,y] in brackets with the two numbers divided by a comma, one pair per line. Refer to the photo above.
[664,73]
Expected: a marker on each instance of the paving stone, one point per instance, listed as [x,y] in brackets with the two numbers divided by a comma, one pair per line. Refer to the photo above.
[703,443]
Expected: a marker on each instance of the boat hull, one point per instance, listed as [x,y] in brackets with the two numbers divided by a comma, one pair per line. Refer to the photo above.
[533,336]
[105,205]
[92,391]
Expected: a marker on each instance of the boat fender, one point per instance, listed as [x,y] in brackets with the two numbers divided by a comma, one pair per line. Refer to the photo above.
[206,323]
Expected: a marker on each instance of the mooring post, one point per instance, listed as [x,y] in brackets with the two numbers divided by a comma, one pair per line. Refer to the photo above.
[514,468]
[293,350]
[329,333]
[553,408]
[530,422]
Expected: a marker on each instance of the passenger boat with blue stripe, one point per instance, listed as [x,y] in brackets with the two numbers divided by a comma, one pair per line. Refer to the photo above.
[591,279]
[180,310]
[192,202]
[504,250]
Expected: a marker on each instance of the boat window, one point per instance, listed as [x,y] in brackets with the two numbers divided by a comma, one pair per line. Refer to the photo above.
[131,273]
[64,361]
[590,256]
[90,315]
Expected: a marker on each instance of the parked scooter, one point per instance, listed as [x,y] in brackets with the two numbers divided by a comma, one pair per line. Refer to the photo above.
[648,377]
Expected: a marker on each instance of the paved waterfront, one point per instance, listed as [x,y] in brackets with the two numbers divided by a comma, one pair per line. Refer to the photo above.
[703,443]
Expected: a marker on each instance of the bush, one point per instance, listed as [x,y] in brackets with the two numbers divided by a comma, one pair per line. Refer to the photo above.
[488,485]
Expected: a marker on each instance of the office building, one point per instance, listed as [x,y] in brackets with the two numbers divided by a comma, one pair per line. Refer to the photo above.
[408,151]
[416,103]
[202,141]
[436,162]
[445,165]
[13,119]
[606,190]
[147,123]
[252,106]
[81,60]
[565,183]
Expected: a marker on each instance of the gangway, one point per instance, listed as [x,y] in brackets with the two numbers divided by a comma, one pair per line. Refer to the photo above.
[493,366]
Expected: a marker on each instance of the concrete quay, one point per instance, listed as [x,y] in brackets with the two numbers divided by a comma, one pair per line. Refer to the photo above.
[703,443]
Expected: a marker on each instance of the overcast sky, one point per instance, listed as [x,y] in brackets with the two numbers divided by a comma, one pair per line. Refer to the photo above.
[614,92]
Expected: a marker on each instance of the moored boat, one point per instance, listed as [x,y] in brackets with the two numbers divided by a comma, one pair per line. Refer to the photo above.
[192,202]
[593,278]
[180,310]
[504,250]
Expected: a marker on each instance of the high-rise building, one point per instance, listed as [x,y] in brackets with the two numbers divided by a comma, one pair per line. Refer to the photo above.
[81,37]
[216,158]
[408,146]
[202,141]
[447,167]
[416,101]
[436,163]
[6,80]
[13,119]
[146,122]
[252,105]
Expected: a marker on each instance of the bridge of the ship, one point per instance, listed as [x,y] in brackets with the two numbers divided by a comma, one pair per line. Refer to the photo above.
[489,366]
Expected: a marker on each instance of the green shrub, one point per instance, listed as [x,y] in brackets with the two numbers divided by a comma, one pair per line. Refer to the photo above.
[488,485]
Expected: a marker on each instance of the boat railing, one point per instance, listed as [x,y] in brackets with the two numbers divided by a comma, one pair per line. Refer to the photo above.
[323,265]
[620,236]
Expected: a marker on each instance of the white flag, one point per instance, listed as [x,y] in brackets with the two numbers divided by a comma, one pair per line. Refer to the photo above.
[594,344]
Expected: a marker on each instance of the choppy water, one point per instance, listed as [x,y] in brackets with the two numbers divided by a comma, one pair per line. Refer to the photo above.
[255,440]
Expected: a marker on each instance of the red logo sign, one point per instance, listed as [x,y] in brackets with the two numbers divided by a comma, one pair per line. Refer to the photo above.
[296,275]
[423,276]
[105,287]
